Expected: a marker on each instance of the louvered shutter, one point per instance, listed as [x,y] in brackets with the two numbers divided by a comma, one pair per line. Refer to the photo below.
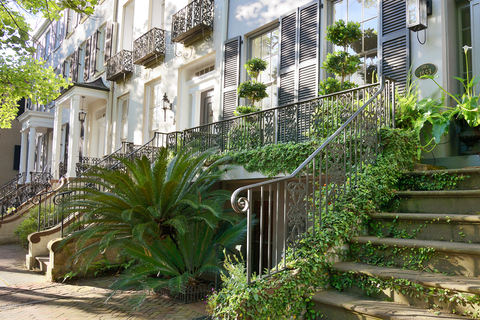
[74,66]
[93,54]
[299,46]
[394,49]
[475,22]
[299,68]
[231,76]
[65,69]
[108,41]
[66,22]
[86,65]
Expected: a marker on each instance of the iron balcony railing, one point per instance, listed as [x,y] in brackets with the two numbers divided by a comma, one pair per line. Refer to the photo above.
[290,208]
[119,66]
[192,20]
[149,47]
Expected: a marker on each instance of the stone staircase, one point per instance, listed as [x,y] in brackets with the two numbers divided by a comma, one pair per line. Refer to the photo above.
[421,262]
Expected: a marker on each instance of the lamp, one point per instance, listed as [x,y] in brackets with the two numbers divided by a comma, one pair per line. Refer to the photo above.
[417,11]
[82,114]
[166,105]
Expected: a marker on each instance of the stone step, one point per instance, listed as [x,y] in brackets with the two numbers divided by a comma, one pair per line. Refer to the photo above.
[443,202]
[428,226]
[430,282]
[335,305]
[470,181]
[449,257]
[43,263]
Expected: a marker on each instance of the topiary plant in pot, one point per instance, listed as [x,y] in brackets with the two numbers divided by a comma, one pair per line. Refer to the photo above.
[341,63]
[253,90]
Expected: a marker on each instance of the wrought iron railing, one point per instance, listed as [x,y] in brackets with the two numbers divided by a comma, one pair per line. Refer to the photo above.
[149,47]
[119,66]
[192,20]
[20,191]
[107,161]
[298,122]
[7,189]
[290,208]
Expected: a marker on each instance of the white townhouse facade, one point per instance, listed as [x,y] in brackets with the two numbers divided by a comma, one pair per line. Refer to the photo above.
[144,66]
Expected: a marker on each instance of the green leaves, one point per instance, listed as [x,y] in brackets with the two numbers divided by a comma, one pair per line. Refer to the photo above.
[25,77]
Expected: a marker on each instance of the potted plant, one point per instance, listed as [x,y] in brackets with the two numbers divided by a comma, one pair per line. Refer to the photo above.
[253,90]
[465,112]
[341,63]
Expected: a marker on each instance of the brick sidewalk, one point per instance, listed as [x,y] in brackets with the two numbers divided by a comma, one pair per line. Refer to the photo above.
[84,299]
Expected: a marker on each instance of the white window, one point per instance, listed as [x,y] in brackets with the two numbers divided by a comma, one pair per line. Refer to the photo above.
[127,38]
[364,12]
[155,105]
[265,46]
[157,9]
[101,49]
[123,105]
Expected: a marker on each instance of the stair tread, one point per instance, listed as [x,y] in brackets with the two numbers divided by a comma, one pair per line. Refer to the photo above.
[442,246]
[376,308]
[455,217]
[438,280]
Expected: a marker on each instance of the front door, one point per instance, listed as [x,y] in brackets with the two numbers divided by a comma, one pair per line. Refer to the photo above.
[206,110]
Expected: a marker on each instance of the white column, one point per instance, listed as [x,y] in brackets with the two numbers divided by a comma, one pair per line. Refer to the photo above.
[57,137]
[32,144]
[73,136]
[23,152]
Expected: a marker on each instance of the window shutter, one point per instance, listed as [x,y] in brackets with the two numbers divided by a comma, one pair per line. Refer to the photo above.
[108,41]
[67,17]
[74,66]
[394,48]
[475,54]
[231,76]
[86,66]
[93,54]
[299,45]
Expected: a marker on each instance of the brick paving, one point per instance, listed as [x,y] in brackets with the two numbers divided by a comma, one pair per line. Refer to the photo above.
[83,299]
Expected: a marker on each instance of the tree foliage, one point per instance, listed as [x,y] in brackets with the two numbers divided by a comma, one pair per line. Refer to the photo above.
[21,76]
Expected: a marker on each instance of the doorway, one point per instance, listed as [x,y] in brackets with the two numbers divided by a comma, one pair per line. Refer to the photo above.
[206,108]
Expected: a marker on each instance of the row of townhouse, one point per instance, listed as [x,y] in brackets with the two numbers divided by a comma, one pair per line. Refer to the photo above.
[145,66]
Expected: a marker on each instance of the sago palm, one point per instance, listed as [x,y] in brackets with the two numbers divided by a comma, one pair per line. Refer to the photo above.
[146,202]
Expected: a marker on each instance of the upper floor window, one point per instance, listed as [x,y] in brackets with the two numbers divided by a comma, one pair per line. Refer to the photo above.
[101,49]
[47,43]
[157,11]
[155,105]
[127,36]
[265,46]
[364,12]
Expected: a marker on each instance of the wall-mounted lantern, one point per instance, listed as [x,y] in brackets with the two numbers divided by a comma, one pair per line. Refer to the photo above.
[82,114]
[417,12]
[166,105]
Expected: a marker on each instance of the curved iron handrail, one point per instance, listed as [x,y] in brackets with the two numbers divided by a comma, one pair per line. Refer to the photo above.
[243,207]
[311,187]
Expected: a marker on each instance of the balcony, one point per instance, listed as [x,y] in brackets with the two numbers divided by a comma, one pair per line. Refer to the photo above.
[149,47]
[119,66]
[192,21]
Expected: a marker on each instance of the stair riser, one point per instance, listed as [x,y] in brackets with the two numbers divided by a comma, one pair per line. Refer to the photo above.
[441,204]
[468,183]
[333,313]
[448,262]
[438,230]
[432,303]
